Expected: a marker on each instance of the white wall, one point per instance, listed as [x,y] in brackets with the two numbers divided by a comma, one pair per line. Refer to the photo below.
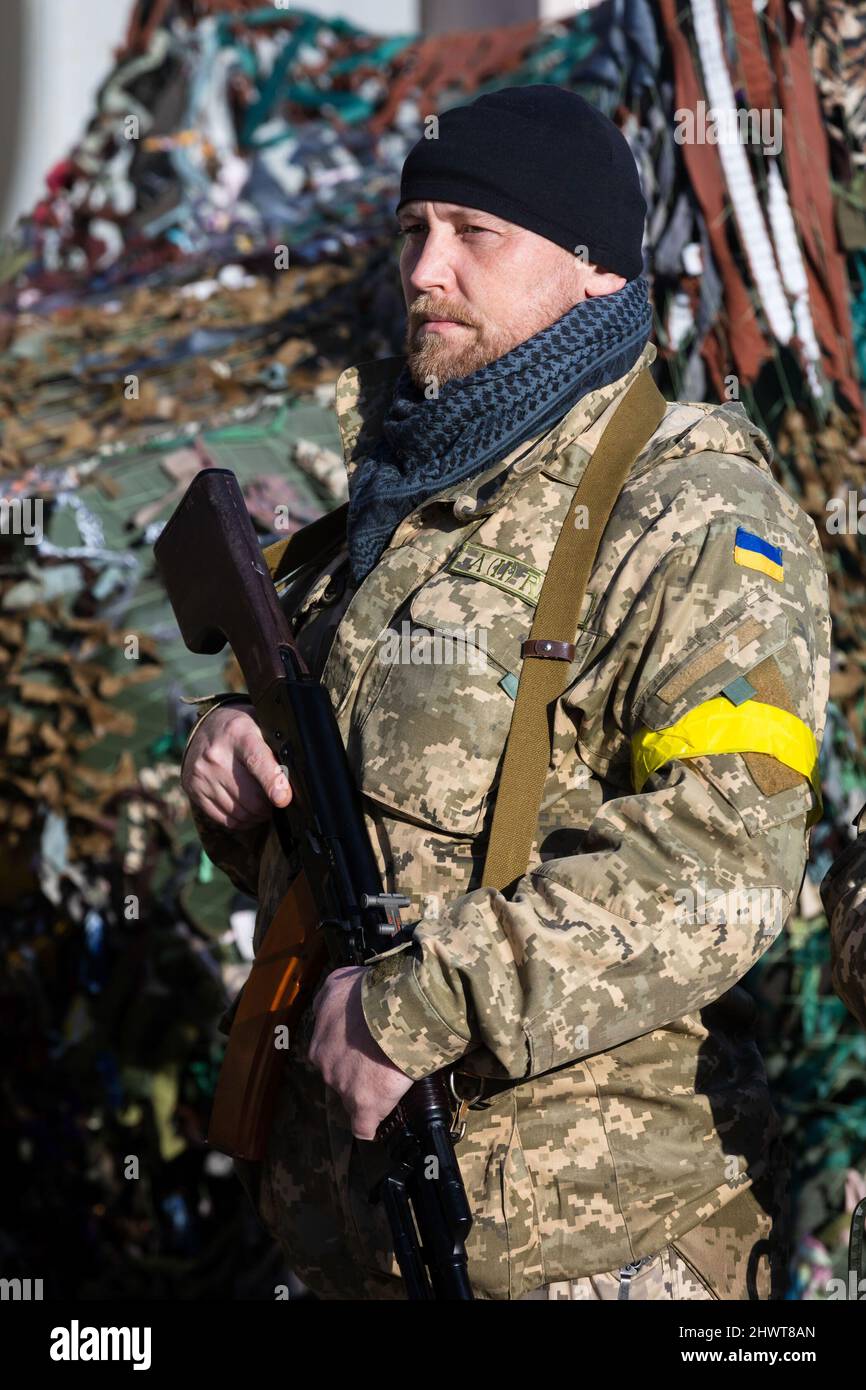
[53,56]
[379,16]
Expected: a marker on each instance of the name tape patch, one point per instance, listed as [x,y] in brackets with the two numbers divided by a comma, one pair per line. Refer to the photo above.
[495,567]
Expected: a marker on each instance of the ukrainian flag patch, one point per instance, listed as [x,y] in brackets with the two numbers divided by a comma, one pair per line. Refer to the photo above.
[757,554]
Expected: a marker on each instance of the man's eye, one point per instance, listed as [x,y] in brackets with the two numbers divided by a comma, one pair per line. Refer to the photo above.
[415,227]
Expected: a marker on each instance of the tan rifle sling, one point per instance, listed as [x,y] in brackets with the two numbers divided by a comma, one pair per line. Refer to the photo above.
[549,649]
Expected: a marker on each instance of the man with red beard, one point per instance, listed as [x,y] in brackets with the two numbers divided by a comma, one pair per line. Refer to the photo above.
[623,1142]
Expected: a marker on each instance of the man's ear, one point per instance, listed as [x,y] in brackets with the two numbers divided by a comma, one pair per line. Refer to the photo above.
[600,281]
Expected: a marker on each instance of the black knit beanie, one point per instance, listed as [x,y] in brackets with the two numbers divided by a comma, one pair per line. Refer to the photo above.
[543,158]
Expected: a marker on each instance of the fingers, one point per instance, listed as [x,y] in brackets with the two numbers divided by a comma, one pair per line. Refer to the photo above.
[369,1085]
[216,813]
[257,758]
[217,793]
[281,791]
[366,1114]
[218,807]
[246,793]
[231,773]
[364,1124]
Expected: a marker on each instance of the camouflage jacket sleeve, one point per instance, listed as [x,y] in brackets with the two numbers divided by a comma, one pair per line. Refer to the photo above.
[237,852]
[843,892]
[608,943]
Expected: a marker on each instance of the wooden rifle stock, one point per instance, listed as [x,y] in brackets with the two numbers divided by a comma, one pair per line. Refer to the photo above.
[288,964]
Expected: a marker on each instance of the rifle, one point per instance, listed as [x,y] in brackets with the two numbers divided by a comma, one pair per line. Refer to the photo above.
[335,909]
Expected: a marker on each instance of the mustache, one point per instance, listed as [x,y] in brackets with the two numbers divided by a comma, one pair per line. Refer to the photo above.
[423,309]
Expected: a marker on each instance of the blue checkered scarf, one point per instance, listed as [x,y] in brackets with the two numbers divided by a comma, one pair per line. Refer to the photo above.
[428,445]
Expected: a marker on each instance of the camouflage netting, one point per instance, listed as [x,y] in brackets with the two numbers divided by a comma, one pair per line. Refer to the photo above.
[214,250]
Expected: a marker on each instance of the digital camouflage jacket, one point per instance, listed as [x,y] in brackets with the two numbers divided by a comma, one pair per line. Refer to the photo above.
[603,991]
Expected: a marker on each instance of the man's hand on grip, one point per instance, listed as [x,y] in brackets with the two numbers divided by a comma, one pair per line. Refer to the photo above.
[229,771]
[350,1060]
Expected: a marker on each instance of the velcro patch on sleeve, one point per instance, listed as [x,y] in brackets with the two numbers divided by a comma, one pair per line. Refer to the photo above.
[718,654]
[707,662]
[767,772]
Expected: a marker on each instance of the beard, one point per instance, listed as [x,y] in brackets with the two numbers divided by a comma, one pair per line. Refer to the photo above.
[434,358]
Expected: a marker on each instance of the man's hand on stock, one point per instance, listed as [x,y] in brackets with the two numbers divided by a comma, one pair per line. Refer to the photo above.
[351,1062]
[229,771]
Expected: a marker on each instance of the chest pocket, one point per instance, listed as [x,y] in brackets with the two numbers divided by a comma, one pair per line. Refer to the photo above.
[432,716]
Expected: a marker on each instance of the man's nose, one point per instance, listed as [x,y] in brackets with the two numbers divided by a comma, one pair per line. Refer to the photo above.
[433,270]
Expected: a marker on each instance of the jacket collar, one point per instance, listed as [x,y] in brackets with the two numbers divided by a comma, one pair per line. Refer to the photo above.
[363,394]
